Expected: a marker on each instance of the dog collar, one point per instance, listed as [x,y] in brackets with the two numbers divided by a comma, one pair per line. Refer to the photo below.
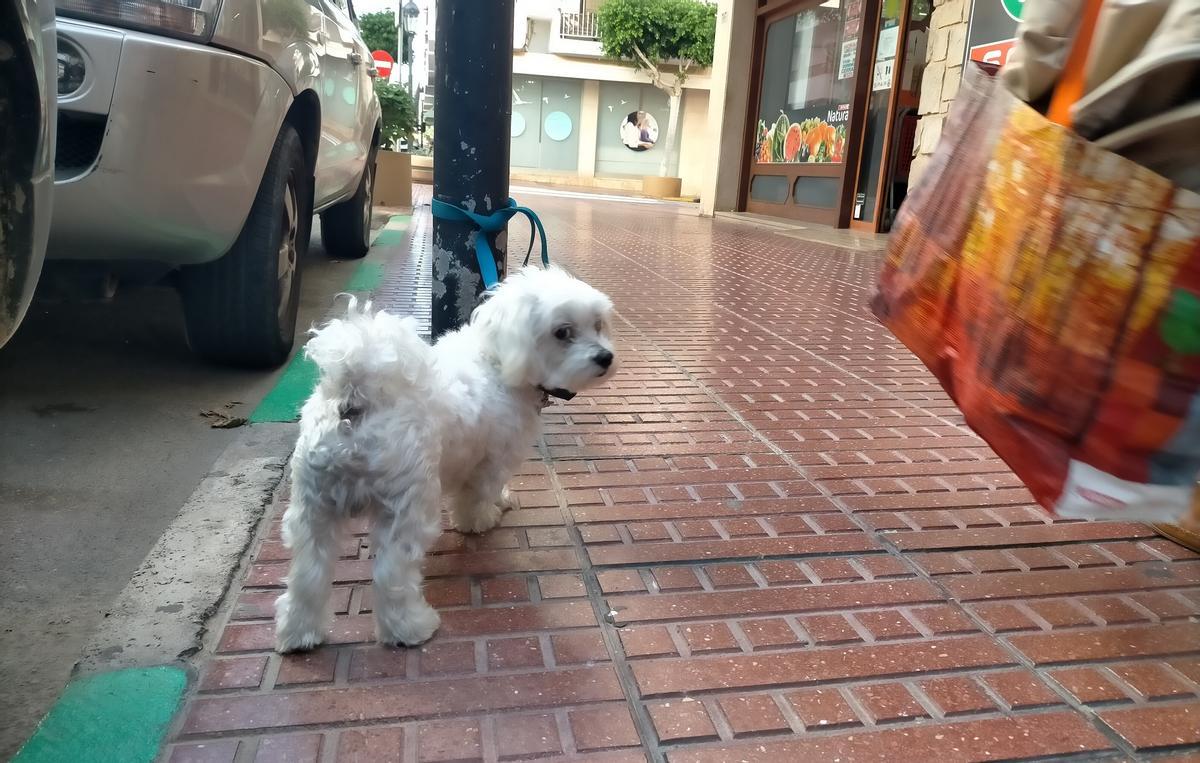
[559,392]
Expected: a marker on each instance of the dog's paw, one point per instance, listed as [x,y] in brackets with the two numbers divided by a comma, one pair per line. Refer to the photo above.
[295,631]
[288,640]
[411,626]
[508,501]
[476,521]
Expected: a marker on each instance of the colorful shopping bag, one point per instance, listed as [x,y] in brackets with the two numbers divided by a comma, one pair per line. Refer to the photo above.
[1054,290]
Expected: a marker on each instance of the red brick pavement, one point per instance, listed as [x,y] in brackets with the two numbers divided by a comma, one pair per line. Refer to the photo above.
[770,537]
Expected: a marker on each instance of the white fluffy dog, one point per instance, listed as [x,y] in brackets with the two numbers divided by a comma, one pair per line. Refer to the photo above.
[396,425]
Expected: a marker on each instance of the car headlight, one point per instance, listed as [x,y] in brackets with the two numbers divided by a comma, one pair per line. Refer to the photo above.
[189,19]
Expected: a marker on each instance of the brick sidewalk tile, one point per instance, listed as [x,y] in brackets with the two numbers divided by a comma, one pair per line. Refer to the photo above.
[769,537]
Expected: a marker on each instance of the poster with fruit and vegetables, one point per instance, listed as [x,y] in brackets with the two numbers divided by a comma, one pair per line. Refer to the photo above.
[809,140]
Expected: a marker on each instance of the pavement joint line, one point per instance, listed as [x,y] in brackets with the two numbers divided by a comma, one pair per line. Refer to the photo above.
[120,715]
[674,354]
[871,552]
[815,356]
[640,714]
[1087,713]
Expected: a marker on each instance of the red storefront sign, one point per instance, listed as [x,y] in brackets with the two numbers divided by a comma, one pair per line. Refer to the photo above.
[995,54]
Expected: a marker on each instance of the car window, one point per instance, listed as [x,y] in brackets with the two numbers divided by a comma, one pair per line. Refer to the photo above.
[339,10]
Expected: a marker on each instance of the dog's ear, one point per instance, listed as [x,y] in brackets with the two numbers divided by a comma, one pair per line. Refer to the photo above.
[509,323]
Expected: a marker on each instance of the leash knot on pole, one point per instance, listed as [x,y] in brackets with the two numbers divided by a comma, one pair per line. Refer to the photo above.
[489,224]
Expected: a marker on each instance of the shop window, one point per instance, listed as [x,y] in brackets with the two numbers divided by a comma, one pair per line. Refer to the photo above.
[772,189]
[807,85]
[816,192]
[544,114]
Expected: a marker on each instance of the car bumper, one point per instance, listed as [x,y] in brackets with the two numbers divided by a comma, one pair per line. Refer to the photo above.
[161,149]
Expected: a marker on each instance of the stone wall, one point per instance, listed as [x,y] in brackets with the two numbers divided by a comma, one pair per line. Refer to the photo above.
[943,71]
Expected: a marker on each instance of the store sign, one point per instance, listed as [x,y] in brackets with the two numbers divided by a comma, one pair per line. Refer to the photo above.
[846,62]
[993,30]
[884,74]
[889,38]
[853,21]
[817,135]
[995,54]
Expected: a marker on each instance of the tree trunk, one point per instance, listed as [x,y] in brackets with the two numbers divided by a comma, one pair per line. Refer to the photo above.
[674,97]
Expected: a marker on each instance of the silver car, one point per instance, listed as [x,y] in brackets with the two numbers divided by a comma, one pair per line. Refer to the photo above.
[203,135]
[26,152]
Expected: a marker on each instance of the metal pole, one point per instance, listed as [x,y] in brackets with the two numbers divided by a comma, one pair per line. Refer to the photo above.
[401,23]
[473,110]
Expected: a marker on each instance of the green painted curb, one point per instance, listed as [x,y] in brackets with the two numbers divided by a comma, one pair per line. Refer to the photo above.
[119,716]
[390,236]
[366,278]
[283,402]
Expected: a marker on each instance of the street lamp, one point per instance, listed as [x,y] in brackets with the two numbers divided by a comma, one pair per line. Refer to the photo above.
[408,13]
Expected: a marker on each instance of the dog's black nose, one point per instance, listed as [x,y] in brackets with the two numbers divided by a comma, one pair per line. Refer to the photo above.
[603,358]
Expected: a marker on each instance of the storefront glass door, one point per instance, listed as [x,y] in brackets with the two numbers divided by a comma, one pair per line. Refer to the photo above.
[800,135]
[897,65]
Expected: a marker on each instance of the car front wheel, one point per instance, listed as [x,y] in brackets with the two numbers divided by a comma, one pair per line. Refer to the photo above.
[241,309]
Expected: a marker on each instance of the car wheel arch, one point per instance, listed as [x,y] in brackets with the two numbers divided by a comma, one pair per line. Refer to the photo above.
[305,115]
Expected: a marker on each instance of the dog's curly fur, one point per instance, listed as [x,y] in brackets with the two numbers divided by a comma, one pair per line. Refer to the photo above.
[395,425]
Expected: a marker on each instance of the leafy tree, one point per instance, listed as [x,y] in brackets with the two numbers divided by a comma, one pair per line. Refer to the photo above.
[663,39]
[399,113]
[379,31]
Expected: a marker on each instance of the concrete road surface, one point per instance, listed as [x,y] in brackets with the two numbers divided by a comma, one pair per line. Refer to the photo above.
[101,442]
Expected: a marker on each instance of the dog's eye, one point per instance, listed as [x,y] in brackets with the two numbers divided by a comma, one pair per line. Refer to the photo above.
[599,327]
[563,333]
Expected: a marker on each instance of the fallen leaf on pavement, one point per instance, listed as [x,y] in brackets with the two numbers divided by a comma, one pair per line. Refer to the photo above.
[218,420]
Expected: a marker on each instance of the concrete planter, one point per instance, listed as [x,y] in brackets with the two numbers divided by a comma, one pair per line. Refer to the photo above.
[422,169]
[393,179]
[662,188]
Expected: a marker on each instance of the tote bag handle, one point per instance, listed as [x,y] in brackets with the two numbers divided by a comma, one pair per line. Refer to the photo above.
[1071,82]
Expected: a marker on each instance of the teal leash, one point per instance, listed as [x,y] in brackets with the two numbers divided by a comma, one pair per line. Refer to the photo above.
[486,225]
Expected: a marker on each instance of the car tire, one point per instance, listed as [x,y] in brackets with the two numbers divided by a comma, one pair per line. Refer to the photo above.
[240,310]
[346,227]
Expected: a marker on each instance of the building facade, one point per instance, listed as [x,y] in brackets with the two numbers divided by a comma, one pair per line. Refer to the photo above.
[838,105]
[581,120]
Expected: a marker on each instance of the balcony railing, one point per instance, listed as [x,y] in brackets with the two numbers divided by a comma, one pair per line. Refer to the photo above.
[579,26]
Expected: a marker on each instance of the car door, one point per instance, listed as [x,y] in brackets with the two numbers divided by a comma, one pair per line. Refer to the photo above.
[343,95]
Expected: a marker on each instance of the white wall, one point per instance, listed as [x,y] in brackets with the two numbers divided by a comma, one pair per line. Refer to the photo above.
[695,148]
[728,102]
